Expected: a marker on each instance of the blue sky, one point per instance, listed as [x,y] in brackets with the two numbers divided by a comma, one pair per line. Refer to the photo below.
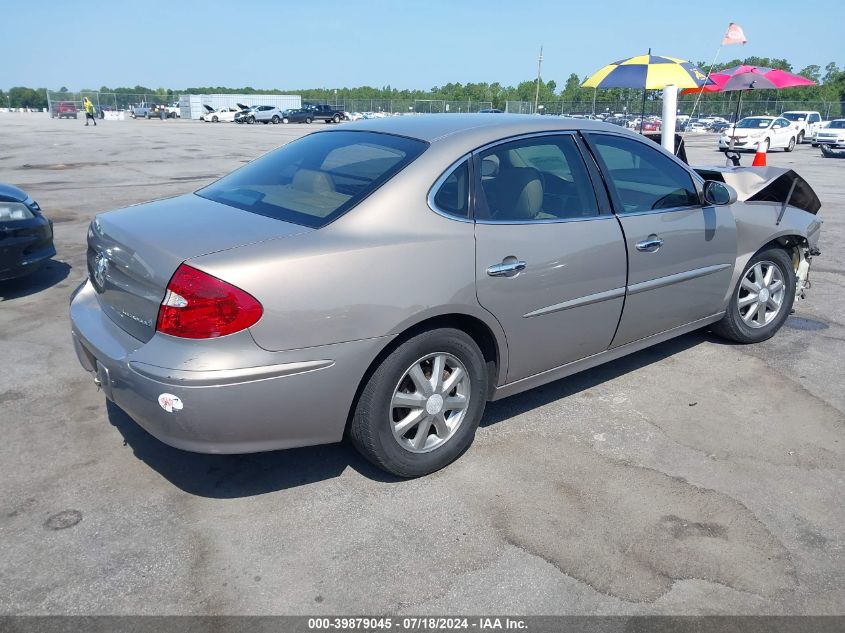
[407,44]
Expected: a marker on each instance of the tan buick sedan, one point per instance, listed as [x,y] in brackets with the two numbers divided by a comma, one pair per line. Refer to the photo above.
[385,279]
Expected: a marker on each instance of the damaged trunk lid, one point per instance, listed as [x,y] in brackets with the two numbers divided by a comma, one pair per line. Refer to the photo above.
[133,252]
[766,184]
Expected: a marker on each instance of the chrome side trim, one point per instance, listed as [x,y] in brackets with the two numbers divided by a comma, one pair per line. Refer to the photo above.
[668,280]
[586,300]
[518,386]
[212,377]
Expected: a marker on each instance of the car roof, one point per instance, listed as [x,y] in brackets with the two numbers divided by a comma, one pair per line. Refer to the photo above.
[478,128]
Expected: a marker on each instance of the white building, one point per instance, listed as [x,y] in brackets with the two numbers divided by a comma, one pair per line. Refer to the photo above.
[191,106]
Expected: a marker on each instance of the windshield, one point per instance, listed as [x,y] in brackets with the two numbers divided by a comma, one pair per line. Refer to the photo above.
[754,123]
[839,124]
[794,116]
[316,179]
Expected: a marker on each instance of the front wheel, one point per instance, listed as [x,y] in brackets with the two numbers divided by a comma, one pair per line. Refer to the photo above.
[762,299]
[251,120]
[419,410]
[791,145]
[285,120]
[214,119]
[336,118]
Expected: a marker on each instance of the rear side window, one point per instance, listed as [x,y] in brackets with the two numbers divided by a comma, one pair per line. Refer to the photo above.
[644,179]
[316,179]
[452,196]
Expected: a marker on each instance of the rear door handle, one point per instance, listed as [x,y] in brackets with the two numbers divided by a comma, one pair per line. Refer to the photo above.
[650,245]
[506,269]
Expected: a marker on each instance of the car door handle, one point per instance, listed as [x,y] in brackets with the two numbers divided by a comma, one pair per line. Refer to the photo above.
[649,245]
[506,269]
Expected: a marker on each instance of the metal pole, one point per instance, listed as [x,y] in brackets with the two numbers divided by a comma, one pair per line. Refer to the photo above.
[539,66]
[670,115]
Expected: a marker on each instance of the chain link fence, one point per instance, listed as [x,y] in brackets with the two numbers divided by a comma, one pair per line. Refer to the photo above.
[105,101]
[724,106]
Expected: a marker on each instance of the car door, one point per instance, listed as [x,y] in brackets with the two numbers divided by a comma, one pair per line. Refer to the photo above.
[681,253]
[550,257]
[783,132]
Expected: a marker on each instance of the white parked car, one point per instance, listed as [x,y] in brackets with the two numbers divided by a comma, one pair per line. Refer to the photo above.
[807,122]
[353,116]
[761,132]
[223,114]
[832,135]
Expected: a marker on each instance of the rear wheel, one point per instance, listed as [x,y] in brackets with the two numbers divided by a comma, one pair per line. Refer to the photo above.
[308,120]
[419,410]
[762,299]
[251,120]
[791,145]
[275,119]
[800,137]
[285,120]
[336,118]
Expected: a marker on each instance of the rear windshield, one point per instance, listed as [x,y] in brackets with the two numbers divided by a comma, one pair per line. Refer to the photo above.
[317,178]
[754,122]
[839,124]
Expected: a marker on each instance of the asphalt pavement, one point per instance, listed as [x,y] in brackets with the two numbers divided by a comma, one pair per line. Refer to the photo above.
[693,477]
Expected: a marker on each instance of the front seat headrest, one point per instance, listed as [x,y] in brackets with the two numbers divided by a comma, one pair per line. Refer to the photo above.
[520,193]
[312,181]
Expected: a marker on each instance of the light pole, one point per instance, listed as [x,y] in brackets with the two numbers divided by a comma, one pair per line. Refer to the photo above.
[539,67]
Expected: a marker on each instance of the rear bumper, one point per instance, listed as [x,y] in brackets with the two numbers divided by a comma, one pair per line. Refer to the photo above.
[297,398]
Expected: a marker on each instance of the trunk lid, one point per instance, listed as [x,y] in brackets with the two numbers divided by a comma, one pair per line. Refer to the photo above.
[133,252]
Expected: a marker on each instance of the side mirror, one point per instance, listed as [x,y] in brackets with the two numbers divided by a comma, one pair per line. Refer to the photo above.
[718,193]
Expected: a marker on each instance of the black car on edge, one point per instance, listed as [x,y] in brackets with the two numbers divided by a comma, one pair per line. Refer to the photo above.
[26,236]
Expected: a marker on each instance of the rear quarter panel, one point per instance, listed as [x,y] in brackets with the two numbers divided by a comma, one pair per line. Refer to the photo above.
[386,265]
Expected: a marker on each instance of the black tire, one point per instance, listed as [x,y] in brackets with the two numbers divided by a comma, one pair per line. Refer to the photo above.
[800,137]
[265,122]
[251,120]
[308,120]
[336,118]
[214,119]
[285,120]
[814,144]
[275,119]
[732,326]
[370,429]
[791,145]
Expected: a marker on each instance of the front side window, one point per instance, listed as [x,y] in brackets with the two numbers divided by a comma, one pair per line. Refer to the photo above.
[542,178]
[644,179]
[317,178]
[452,196]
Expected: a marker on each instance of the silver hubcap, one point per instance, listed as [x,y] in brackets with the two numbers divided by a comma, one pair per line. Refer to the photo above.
[429,402]
[760,295]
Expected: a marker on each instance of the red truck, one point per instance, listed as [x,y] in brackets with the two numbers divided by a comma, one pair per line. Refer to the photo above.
[65,110]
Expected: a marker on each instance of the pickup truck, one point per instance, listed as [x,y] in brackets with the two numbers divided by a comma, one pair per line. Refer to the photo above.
[807,122]
[326,113]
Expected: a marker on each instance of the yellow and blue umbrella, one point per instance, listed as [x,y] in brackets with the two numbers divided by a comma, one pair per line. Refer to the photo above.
[648,72]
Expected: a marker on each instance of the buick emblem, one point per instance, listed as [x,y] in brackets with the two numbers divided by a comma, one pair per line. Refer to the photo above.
[101,265]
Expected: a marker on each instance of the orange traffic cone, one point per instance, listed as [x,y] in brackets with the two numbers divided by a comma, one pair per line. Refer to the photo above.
[760,156]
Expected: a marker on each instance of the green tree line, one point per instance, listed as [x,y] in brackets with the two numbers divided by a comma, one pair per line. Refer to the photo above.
[831,88]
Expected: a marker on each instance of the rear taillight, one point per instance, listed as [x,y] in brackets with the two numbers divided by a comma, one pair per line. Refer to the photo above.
[199,305]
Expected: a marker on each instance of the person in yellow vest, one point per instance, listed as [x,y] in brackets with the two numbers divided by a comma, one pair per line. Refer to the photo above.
[89,111]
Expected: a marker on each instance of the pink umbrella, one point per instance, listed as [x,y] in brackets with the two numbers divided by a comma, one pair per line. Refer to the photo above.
[751,78]
[746,77]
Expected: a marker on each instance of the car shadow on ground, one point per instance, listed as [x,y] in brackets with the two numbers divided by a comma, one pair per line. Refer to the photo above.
[49,275]
[234,476]
[540,396]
